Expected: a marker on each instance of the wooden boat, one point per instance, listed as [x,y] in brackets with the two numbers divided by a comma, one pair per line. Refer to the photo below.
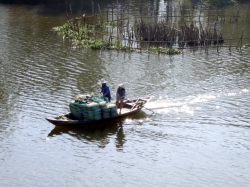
[130,107]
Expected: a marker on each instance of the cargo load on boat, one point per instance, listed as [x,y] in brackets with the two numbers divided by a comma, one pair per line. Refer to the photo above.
[92,108]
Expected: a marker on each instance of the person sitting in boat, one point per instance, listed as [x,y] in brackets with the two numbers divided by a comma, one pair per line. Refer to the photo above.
[105,90]
[120,96]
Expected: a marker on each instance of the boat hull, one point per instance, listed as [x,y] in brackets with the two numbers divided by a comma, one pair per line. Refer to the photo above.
[69,121]
[61,122]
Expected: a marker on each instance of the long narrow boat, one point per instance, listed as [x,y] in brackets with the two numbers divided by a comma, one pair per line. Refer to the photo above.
[130,107]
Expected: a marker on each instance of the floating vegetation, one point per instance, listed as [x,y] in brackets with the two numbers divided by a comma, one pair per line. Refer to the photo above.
[169,51]
[84,35]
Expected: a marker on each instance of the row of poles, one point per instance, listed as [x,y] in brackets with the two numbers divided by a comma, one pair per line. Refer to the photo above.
[143,29]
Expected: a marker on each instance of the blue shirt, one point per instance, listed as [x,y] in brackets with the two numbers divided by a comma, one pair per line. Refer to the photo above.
[121,93]
[105,89]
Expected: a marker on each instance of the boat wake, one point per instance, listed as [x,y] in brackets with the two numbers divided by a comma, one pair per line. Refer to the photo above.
[192,103]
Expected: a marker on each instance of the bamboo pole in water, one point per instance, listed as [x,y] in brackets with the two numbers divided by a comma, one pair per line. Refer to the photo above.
[236,19]
[148,37]
[240,40]
[107,15]
[112,13]
[231,38]
[217,42]
[117,20]
[147,31]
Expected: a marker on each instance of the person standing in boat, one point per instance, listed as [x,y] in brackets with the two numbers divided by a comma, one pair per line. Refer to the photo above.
[120,96]
[105,90]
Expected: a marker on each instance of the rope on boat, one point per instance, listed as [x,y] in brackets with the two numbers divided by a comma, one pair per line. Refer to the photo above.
[149,110]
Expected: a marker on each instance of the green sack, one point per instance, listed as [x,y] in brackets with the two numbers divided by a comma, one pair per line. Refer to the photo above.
[111,105]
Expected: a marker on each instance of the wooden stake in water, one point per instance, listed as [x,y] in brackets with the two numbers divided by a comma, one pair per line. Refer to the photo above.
[117,20]
[231,38]
[107,15]
[240,41]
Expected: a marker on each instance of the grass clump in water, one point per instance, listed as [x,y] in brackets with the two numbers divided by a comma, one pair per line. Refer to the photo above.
[170,51]
[85,35]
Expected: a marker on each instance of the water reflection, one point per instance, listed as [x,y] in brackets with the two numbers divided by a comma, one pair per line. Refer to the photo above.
[62,7]
[201,109]
[101,135]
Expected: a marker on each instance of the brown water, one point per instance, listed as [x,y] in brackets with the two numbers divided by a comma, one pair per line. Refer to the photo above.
[199,134]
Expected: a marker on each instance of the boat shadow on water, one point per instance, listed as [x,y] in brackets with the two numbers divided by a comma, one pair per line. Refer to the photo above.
[100,134]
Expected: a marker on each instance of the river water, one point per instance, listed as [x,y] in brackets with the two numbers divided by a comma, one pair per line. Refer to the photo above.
[198,135]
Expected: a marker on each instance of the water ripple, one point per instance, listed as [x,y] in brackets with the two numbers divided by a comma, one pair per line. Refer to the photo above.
[200,102]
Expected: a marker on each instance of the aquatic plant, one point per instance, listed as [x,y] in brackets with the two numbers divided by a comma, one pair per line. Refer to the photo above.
[160,50]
